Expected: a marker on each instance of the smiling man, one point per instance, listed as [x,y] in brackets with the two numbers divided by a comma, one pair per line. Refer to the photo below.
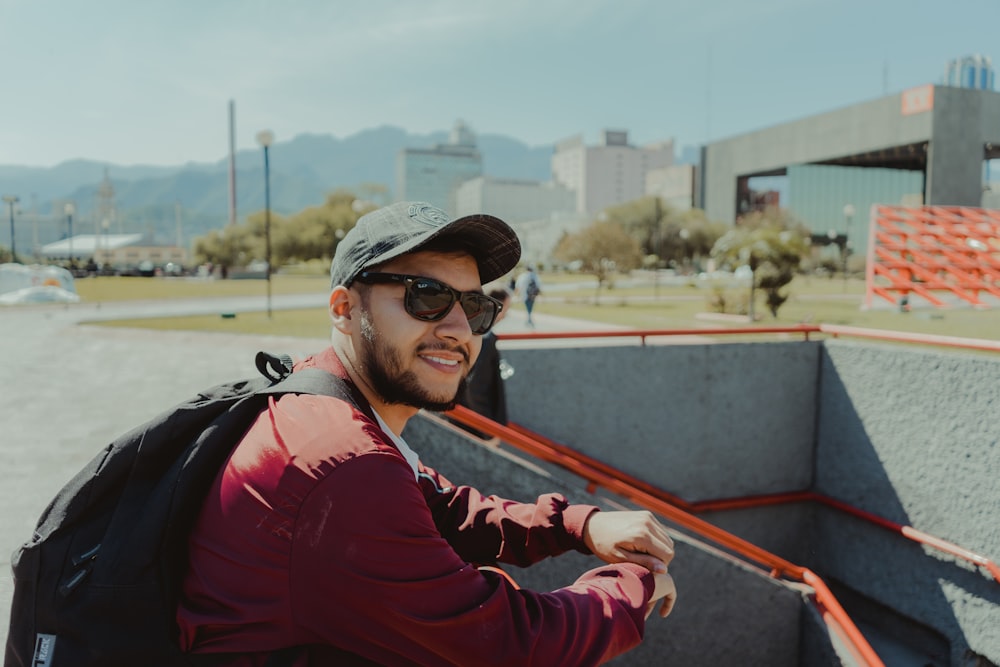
[325,541]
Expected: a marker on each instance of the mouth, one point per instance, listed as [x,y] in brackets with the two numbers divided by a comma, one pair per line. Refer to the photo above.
[442,360]
[448,361]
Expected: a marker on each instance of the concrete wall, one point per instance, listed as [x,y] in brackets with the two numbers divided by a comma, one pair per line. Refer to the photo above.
[908,434]
[703,421]
[955,155]
[913,436]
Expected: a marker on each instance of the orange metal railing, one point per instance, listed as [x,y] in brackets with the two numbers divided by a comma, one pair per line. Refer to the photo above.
[805,330]
[770,499]
[645,496]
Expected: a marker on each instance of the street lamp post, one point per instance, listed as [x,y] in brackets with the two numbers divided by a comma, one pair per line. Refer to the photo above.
[105,224]
[265,138]
[69,210]
[848,216]
[11,200]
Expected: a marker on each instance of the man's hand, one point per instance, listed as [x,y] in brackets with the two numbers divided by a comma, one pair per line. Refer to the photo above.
[664,590]
[629,537]
[635,537]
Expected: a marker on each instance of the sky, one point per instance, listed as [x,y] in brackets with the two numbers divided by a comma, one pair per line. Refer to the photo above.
[150,82]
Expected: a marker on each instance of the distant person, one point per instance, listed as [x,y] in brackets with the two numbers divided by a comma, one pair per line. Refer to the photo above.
[484,388]
[529,286]
[325,534]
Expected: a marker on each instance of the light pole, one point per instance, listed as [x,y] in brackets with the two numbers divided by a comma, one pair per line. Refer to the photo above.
[848,216]
[11,200]
[105,224]
[69,210]
[265,138]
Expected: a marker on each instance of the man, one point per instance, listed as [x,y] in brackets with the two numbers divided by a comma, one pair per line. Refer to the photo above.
[484,391]
[529,286]
[324,531]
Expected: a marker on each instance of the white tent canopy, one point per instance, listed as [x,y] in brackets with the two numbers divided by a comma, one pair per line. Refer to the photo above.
[89,245]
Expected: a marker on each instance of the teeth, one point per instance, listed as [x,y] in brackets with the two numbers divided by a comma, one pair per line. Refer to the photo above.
[446,362]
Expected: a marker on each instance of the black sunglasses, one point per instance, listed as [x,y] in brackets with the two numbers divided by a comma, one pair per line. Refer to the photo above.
[431,300]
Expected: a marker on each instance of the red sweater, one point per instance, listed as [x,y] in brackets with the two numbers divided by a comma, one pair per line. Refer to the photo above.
[316,533]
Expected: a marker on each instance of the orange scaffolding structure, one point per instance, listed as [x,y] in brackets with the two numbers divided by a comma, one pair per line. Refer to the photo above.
[946,255]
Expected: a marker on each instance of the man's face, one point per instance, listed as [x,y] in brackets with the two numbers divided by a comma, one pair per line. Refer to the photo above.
[408,361]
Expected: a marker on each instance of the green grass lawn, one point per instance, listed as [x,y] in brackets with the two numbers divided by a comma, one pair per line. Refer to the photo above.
[121,288]
[647,306]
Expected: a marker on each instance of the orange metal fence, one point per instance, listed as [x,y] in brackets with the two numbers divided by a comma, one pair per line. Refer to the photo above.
[644,496]
[805,330]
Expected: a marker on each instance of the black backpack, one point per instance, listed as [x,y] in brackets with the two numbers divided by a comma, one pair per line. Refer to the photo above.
[98,582]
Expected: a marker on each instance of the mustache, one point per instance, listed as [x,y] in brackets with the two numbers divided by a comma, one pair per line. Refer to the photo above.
[428,347]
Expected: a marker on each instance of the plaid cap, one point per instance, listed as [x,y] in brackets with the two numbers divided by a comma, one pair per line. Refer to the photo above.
[404,227]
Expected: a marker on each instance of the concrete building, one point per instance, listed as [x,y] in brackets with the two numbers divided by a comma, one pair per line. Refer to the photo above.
[513,200]
[433,174]
[674,185]
[539,211]
[610,173]
[942,133]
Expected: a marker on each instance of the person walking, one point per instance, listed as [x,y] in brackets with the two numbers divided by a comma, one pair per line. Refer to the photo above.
[484,391]
[325,533]
[529,286]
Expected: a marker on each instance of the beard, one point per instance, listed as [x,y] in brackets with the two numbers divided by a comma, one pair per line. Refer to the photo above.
[382,365]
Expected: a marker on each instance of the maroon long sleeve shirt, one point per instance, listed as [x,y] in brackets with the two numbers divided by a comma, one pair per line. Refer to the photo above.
[316,533]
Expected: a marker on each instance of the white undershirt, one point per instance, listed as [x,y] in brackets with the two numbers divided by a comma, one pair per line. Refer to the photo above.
[411,456]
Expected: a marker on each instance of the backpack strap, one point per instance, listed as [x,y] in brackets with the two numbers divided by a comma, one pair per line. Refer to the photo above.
[272,367]
[317,381]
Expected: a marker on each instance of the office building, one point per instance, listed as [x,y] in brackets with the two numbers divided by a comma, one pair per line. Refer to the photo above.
[514,200]
[433,174]
[610,173]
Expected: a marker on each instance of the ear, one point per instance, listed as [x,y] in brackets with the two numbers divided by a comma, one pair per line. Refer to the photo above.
[342,301]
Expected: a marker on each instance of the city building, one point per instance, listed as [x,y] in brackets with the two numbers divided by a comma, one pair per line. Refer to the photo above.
[970,72]
[939,137]
[433,174]
[540,212]
[610,173]
[513,200]
[674,185]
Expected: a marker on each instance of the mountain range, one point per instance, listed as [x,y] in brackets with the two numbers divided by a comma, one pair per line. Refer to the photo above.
[303,171]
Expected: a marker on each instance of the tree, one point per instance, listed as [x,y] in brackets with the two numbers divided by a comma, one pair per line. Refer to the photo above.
[310,234]
[668,237]
[601,249]
[226,248]
[772,244]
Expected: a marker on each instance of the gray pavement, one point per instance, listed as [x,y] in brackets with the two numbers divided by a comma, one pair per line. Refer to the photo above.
[67,389]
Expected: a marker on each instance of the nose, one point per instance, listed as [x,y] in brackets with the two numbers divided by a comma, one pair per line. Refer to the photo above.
[455,325]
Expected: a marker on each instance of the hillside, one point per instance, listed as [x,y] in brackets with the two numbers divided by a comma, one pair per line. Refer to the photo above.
[303,170]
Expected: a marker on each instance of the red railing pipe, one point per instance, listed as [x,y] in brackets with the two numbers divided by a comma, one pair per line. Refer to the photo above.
[833,330]
[769,499]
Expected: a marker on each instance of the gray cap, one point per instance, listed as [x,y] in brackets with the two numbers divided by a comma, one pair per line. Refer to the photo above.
[401,228]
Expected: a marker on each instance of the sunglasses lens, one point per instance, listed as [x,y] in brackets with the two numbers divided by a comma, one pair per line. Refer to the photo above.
[480,310]
[428,299]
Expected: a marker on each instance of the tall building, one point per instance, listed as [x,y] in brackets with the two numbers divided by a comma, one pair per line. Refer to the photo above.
[433,174]
[970,72]
[514,200]
[610,173]
[540,212]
